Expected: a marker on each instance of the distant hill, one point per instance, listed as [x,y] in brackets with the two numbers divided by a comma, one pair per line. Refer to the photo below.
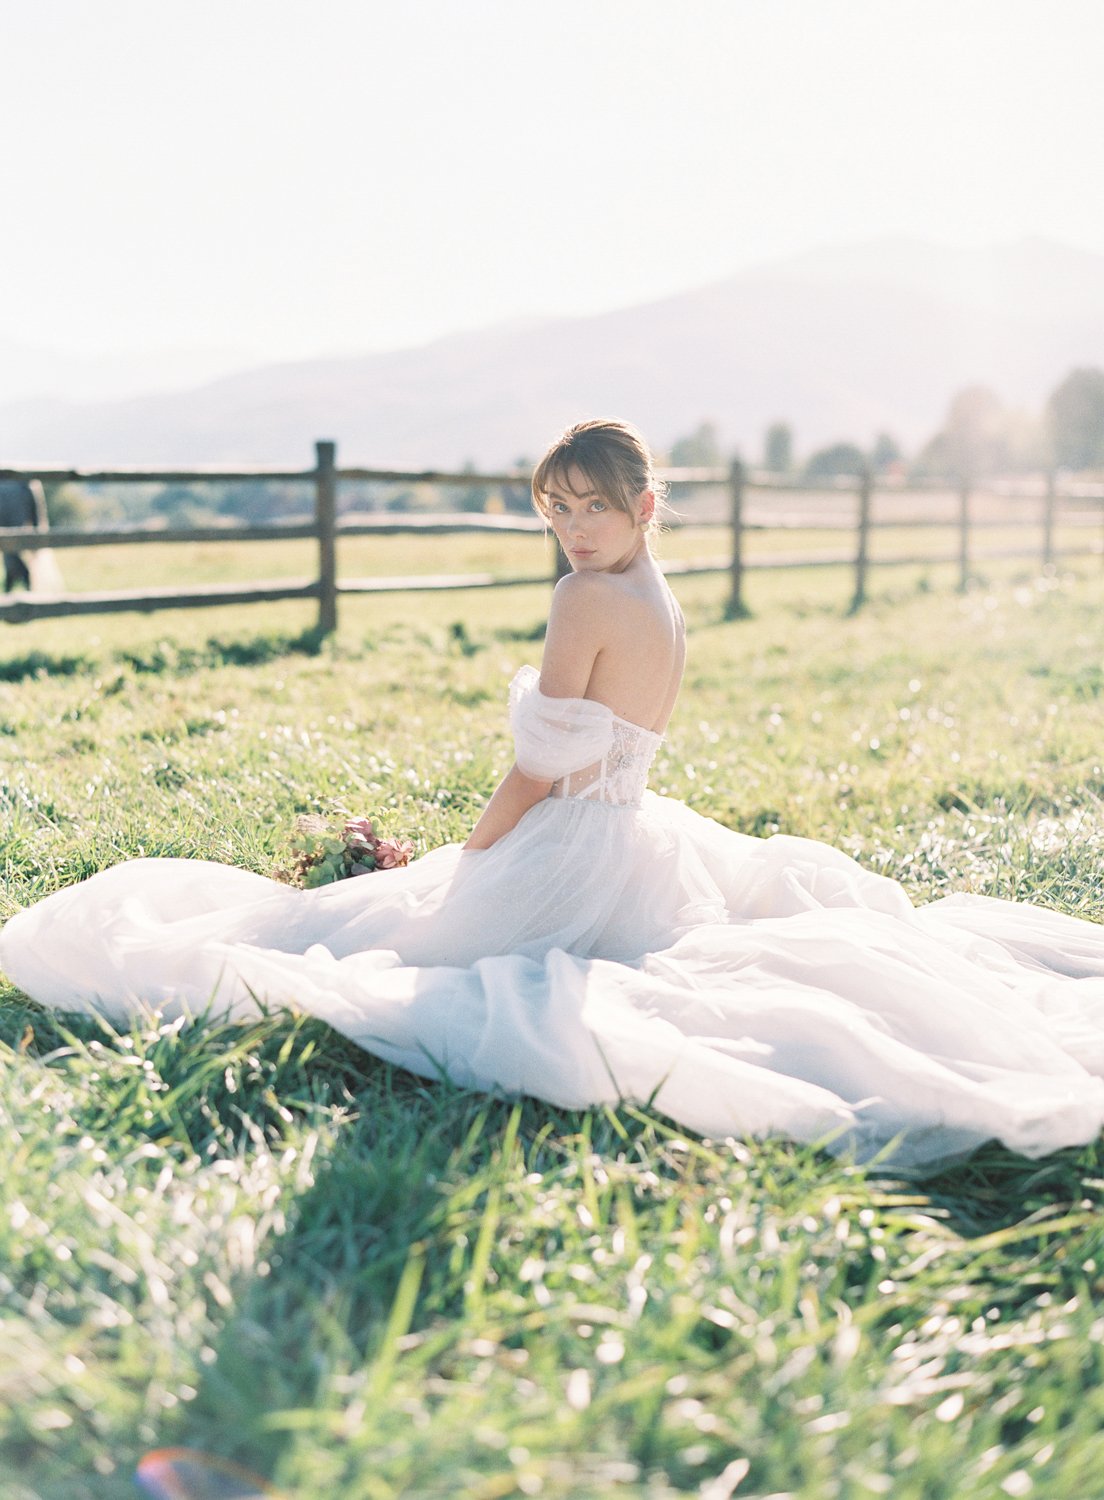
[29,370]
[839,342]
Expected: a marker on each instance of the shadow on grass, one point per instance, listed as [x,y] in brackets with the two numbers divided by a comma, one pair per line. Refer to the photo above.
[169,656]
[995,1188]
[420,1193]
[42,664]
[530,633]
[380,1257]
[247,1064]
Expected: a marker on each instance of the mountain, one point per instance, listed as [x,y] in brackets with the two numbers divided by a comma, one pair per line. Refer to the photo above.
[86,377]
[840,342]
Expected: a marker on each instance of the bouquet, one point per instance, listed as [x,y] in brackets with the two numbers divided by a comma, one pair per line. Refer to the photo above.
[319,856]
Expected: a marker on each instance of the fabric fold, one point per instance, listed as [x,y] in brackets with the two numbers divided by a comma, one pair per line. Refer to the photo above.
[555,736]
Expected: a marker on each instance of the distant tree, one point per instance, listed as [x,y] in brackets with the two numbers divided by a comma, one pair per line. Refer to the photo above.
[981,436]
[519,497]
[259,501]
[357,496]
[1028,444]
[472,497]
[700,450]
[1075,420]
[778,448]
[973,434]
[884,453]
[182,505]
[836,461]
[421,496]
[119,504]
[66,505]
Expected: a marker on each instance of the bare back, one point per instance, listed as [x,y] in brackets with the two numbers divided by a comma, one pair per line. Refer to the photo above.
[619,639]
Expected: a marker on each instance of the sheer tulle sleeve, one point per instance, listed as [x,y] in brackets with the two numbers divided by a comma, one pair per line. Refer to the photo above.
[554,736]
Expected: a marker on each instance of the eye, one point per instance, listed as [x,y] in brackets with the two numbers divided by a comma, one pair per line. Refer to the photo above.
[558,507]
[598,505]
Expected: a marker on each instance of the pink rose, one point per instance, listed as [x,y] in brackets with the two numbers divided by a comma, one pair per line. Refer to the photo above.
[390,853]
[359,830]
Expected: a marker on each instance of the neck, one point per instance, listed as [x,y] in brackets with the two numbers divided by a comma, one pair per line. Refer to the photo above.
[639,548]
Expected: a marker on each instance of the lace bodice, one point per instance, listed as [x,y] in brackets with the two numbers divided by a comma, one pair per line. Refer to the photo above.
[579,745]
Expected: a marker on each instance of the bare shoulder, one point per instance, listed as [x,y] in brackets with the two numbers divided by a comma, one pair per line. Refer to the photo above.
[577,632]
[597,589]
[577,589]
[586,598]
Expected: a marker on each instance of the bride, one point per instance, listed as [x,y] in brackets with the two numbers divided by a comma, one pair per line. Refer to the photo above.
[593,941]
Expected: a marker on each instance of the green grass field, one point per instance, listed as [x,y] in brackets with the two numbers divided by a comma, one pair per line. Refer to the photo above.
[509,555]
[257,1241]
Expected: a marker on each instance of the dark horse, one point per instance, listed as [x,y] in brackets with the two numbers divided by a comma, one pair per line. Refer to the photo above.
[22,503]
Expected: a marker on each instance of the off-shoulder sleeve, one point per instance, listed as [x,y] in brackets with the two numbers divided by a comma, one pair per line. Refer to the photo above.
[554,736]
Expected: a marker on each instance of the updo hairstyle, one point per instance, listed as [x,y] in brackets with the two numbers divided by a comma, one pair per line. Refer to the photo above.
[613,459]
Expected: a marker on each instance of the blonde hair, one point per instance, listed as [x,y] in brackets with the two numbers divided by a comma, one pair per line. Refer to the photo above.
[613,459]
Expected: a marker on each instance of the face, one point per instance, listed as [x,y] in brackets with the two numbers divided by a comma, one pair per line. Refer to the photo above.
[596,536]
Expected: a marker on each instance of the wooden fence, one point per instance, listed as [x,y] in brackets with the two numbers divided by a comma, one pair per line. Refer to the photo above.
[1049,504]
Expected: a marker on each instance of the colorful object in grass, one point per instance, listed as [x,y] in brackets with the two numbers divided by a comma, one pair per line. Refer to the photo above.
[319,856]
[184,1474]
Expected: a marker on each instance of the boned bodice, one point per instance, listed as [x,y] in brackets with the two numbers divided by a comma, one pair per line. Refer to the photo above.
[579,745]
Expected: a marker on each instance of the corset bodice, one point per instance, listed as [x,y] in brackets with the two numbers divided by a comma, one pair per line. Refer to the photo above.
[621,775]
[579,745]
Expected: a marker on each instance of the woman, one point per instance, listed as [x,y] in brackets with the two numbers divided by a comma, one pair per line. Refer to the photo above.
[593,941]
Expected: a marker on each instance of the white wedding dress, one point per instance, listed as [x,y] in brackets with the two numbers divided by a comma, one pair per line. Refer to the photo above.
[617,945]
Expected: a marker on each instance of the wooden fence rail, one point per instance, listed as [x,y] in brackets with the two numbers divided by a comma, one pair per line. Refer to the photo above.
[326,528]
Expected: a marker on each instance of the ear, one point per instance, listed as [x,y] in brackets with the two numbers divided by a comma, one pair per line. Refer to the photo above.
[645,506]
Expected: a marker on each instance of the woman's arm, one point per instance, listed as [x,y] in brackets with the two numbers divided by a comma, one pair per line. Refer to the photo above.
[571,643]
[515,794]
[575,635]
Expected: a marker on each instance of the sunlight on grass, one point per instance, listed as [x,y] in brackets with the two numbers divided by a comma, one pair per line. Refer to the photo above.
[256,1241]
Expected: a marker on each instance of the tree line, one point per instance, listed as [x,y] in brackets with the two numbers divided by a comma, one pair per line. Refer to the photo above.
[980,437]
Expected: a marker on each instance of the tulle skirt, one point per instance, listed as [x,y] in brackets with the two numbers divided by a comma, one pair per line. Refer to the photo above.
[743,986]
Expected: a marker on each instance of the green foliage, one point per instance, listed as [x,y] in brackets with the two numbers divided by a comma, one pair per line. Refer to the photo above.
[321,854]
[472,497]
[258,502]
[835,462]
[1075,418]
[778,448]
[183,505]
[885,453]
[255,1240]
[700,449]
[66,505]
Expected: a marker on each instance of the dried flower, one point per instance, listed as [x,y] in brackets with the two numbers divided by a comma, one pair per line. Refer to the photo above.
[391,853]
[359,831]
[319,856]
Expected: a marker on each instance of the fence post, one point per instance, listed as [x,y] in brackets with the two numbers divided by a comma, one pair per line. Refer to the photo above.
[862,541]
[736,609]
[325,516]
[1048,521]
[963,536]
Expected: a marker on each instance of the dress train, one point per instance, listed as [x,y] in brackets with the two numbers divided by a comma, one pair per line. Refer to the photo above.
[616,944]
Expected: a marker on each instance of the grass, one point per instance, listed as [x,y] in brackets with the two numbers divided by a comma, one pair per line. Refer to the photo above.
[260,1242]
[164,565]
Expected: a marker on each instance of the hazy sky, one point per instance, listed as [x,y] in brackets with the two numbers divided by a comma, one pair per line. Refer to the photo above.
[292,177]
